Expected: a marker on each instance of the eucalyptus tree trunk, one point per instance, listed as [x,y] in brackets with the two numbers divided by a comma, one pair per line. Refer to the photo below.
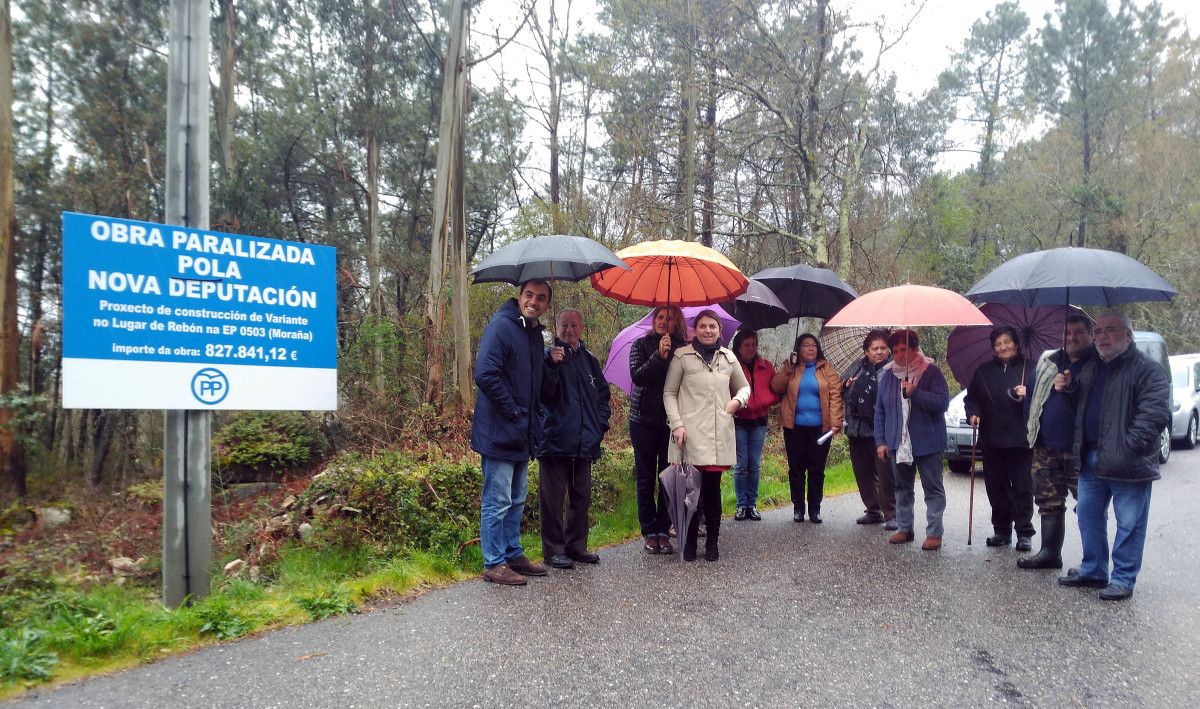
[12,459]
[441,253]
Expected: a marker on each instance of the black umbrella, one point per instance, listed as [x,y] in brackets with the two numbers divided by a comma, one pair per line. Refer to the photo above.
[758,307]
[1071,275]
[546,258]
[807,291]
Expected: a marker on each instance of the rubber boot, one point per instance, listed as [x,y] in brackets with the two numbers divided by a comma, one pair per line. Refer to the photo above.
[710,541]
[689,545]
[1050,555]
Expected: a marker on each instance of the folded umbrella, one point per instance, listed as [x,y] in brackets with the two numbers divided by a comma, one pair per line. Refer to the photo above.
[681,481]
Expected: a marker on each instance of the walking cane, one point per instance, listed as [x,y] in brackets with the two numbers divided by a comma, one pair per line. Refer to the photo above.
[971,504]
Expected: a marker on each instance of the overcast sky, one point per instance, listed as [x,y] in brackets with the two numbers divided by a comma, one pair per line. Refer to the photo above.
[938,31]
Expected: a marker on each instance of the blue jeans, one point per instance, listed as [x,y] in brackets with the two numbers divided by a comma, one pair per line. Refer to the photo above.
[1131,507]
[930,469]
[505,483]
[749,456]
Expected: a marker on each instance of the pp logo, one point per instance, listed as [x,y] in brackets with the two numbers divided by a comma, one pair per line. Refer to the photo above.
[210,386]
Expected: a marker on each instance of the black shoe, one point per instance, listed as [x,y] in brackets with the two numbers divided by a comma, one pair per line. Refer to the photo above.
[1024,543]
[711,553]
[586,557]
[797,516]
[741,514]
[559,561]
[999,540]
[1072,579]
[870,518]
[815,518]
[752,513]
[1113,592]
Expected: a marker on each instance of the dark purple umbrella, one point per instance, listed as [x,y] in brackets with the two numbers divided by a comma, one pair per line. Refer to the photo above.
[1038,329]
[616,368]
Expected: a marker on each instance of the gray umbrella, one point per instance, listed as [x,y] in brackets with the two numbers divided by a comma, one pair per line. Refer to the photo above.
[1071,275]
[556,257]
[681,481]
[758,307]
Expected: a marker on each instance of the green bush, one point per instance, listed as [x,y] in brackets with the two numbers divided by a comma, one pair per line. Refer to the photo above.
[261,445]
[400,504]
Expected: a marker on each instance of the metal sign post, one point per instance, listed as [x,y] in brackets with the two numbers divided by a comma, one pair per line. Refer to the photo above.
[187,483]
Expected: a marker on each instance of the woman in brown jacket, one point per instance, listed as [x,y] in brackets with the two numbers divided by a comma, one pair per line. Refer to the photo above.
[811,409]
[705,386]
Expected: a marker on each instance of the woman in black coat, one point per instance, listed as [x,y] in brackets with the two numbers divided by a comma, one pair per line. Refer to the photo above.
[998,402]
[649,359]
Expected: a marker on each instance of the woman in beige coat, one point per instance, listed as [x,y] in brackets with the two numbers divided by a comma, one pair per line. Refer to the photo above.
[705,386]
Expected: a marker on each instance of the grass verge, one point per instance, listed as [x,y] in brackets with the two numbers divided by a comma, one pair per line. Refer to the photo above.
[56,627]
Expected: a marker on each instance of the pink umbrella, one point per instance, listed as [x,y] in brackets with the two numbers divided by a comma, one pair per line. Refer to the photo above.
[616,369]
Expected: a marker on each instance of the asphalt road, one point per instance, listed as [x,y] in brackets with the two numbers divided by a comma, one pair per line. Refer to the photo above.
[792,615]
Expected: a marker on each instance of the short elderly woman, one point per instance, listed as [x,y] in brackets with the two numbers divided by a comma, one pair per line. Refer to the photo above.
[705,386]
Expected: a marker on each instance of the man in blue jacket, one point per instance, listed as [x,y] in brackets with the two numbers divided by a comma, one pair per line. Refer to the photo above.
[910,429]
[1119,418]
[573,423]
[506,430]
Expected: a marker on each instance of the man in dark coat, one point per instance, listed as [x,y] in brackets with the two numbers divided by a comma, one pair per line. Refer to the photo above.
[574,422]
[1119,419]
[506,426]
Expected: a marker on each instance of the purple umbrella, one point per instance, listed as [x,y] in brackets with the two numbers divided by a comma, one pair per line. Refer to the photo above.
[1038,330]
[616,369]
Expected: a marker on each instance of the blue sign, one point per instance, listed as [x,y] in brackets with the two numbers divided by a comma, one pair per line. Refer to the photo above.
[228,320]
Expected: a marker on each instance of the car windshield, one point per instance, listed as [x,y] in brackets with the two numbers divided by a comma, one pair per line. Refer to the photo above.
[1179,374]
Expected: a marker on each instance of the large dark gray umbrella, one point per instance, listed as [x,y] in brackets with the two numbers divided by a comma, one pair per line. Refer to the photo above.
[1071,275]
[807,291]
[681,481]
[547,258]
[758,307]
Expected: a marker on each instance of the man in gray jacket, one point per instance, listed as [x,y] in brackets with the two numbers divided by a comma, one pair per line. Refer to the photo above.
[1119,418]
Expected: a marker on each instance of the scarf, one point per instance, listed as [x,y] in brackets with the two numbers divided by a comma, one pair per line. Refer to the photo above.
[706,352]
[914,370]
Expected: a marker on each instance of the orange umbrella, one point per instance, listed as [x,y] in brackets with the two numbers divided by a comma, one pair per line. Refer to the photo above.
[672,273]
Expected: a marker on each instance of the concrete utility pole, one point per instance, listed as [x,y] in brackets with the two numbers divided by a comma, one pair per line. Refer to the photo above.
[187,482]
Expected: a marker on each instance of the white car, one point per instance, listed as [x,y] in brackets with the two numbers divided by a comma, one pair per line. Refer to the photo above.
[958,436]
[1185,401]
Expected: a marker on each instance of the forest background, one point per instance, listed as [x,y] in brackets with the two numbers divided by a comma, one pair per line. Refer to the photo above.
[772,130]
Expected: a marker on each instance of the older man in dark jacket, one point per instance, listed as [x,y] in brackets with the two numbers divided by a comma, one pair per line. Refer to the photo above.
[1119,419]
[506,426]
[574,422]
